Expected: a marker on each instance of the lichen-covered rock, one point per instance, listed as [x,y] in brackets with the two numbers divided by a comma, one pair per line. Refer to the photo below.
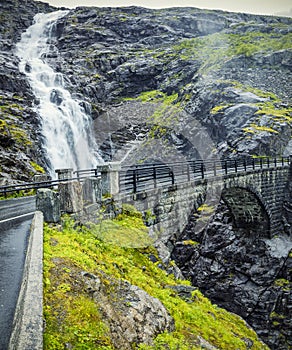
[133,315]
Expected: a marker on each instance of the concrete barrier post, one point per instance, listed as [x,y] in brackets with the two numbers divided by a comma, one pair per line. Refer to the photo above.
[70,192]
[64,174]
[91,190]
[48,202]
[109,178]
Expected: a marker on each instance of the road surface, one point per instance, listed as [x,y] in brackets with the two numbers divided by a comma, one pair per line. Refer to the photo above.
[15,221]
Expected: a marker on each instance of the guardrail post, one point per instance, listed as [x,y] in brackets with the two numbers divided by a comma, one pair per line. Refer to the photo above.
[261,163]
[235,165]
[48,202]
[202,170]
[135,180]
[244,164]
[64,174]
[172,175]
[91,190]
[188,172]
[253,164]
[154,176]
[70,192]
[268,162]
[214,167]
[109,177]
[225,166]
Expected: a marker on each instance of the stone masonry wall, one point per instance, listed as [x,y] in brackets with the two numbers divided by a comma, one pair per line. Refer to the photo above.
[167,210]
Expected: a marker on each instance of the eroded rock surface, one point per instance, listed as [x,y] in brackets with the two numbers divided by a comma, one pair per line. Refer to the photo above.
[133,315]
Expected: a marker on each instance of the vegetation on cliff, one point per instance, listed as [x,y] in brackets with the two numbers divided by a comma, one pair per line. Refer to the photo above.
[74,318]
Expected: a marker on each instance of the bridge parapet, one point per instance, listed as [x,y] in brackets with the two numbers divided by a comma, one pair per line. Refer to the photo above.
[254,190]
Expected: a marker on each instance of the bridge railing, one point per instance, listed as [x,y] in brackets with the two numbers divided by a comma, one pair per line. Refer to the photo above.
[137,178]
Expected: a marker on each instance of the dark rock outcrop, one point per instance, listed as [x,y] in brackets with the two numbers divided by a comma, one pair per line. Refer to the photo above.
[243,272]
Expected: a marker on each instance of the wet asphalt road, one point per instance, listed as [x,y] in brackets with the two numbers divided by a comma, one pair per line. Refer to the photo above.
[14,234]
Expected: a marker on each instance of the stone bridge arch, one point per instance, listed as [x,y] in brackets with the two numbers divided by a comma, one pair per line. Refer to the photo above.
[248,209]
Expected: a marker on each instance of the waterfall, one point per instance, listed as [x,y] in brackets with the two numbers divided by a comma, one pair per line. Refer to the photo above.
[67,129]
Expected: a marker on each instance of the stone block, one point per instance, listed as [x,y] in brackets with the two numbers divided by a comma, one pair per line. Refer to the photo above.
[48,202]
[71,197]
[92,190]
[64,174]
[109,177]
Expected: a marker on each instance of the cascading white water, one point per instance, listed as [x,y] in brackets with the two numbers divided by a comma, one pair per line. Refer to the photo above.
[66,128]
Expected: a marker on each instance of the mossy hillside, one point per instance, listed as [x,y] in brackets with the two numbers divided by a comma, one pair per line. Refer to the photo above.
[73,317]
[215,49]
[166,116]
[212,51]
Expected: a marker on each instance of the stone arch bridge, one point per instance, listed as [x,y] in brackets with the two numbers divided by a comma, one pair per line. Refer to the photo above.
[255,193]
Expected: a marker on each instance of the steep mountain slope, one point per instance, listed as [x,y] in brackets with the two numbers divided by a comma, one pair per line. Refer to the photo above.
[230,72]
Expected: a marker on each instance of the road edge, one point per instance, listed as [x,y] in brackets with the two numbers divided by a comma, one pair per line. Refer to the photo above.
[27,328]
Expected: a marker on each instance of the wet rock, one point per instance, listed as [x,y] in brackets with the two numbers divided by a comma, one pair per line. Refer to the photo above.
[56,97]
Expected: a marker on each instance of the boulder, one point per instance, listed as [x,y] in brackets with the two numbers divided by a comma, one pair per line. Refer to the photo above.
[133,315]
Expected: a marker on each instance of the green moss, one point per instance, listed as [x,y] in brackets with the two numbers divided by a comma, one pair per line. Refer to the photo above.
[275,315]
[220,108]
[190,242]
[205,208]
[73,318]
[215,49]
[255,129]
[37,167]
[283,283]
[20,136]
[166,114]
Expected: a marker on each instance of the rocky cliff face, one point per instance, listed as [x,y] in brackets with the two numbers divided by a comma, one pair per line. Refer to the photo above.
[242,271]
[163,76]
[20,137]
[229,72]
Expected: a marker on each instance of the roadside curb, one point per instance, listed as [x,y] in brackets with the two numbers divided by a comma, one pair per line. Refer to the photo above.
[27,328]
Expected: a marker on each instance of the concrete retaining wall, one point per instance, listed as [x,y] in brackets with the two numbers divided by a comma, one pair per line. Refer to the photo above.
[27,332]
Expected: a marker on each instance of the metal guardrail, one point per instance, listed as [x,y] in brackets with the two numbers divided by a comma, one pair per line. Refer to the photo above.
[5,190]
[138,178]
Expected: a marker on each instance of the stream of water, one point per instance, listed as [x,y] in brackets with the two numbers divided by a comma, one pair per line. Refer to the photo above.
[67,129]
